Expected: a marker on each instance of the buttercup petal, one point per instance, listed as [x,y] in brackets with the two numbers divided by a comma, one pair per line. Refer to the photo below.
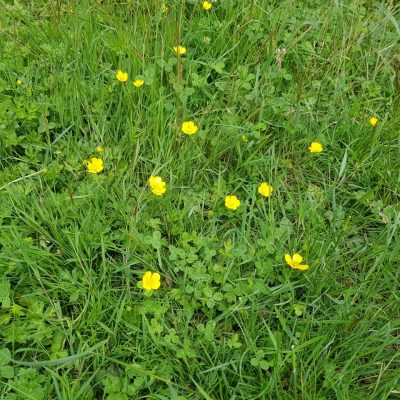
[288,259]
[147,281]
[138,83]
[155,281]
[265,189]
[156,181]
[232,202]
[297,258]
[158,191]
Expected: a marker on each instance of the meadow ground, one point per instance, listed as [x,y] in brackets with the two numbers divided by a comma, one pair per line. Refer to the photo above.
[232,315]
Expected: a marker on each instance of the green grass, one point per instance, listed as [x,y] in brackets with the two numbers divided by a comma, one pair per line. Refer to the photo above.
[231,320]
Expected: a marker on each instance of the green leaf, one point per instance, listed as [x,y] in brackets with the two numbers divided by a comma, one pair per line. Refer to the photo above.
[112,384]
[5,292]
[264,364]
[7,372]
[219,67]
[64,360]
[117,396]
[298,309]
[5,356]
[254,362]
[28,389]
[218,296]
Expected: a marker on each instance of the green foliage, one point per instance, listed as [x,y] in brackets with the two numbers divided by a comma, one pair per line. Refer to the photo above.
[231,319]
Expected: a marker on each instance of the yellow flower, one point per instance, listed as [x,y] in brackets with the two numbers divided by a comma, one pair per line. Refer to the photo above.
[244,138]
[95,165]
[164,8]
[232,202]
[207,5]
[180,50]
[265,190]
[189,128]
[151,281]
[100,149]
[138,83]
[157,185]
[315,147]
[122,76]
[19,82]
[373,121]
[295,262]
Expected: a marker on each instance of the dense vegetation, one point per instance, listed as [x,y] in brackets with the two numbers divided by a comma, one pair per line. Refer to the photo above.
[231,319]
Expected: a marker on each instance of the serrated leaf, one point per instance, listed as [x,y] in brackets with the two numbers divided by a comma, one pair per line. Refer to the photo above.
[219,67]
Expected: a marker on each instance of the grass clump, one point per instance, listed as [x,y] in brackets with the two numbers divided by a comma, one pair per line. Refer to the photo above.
[199,200]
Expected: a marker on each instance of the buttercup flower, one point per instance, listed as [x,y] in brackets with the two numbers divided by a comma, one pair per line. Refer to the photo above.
[151,281]
[295,262]
[315,147]
[180,50]
[189,128]
[138,83]
[100,149]
[207,5]
[373,121]
[232,202]
[95,165]
[121,76]
[265,190]
[19,82]
[157,185]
